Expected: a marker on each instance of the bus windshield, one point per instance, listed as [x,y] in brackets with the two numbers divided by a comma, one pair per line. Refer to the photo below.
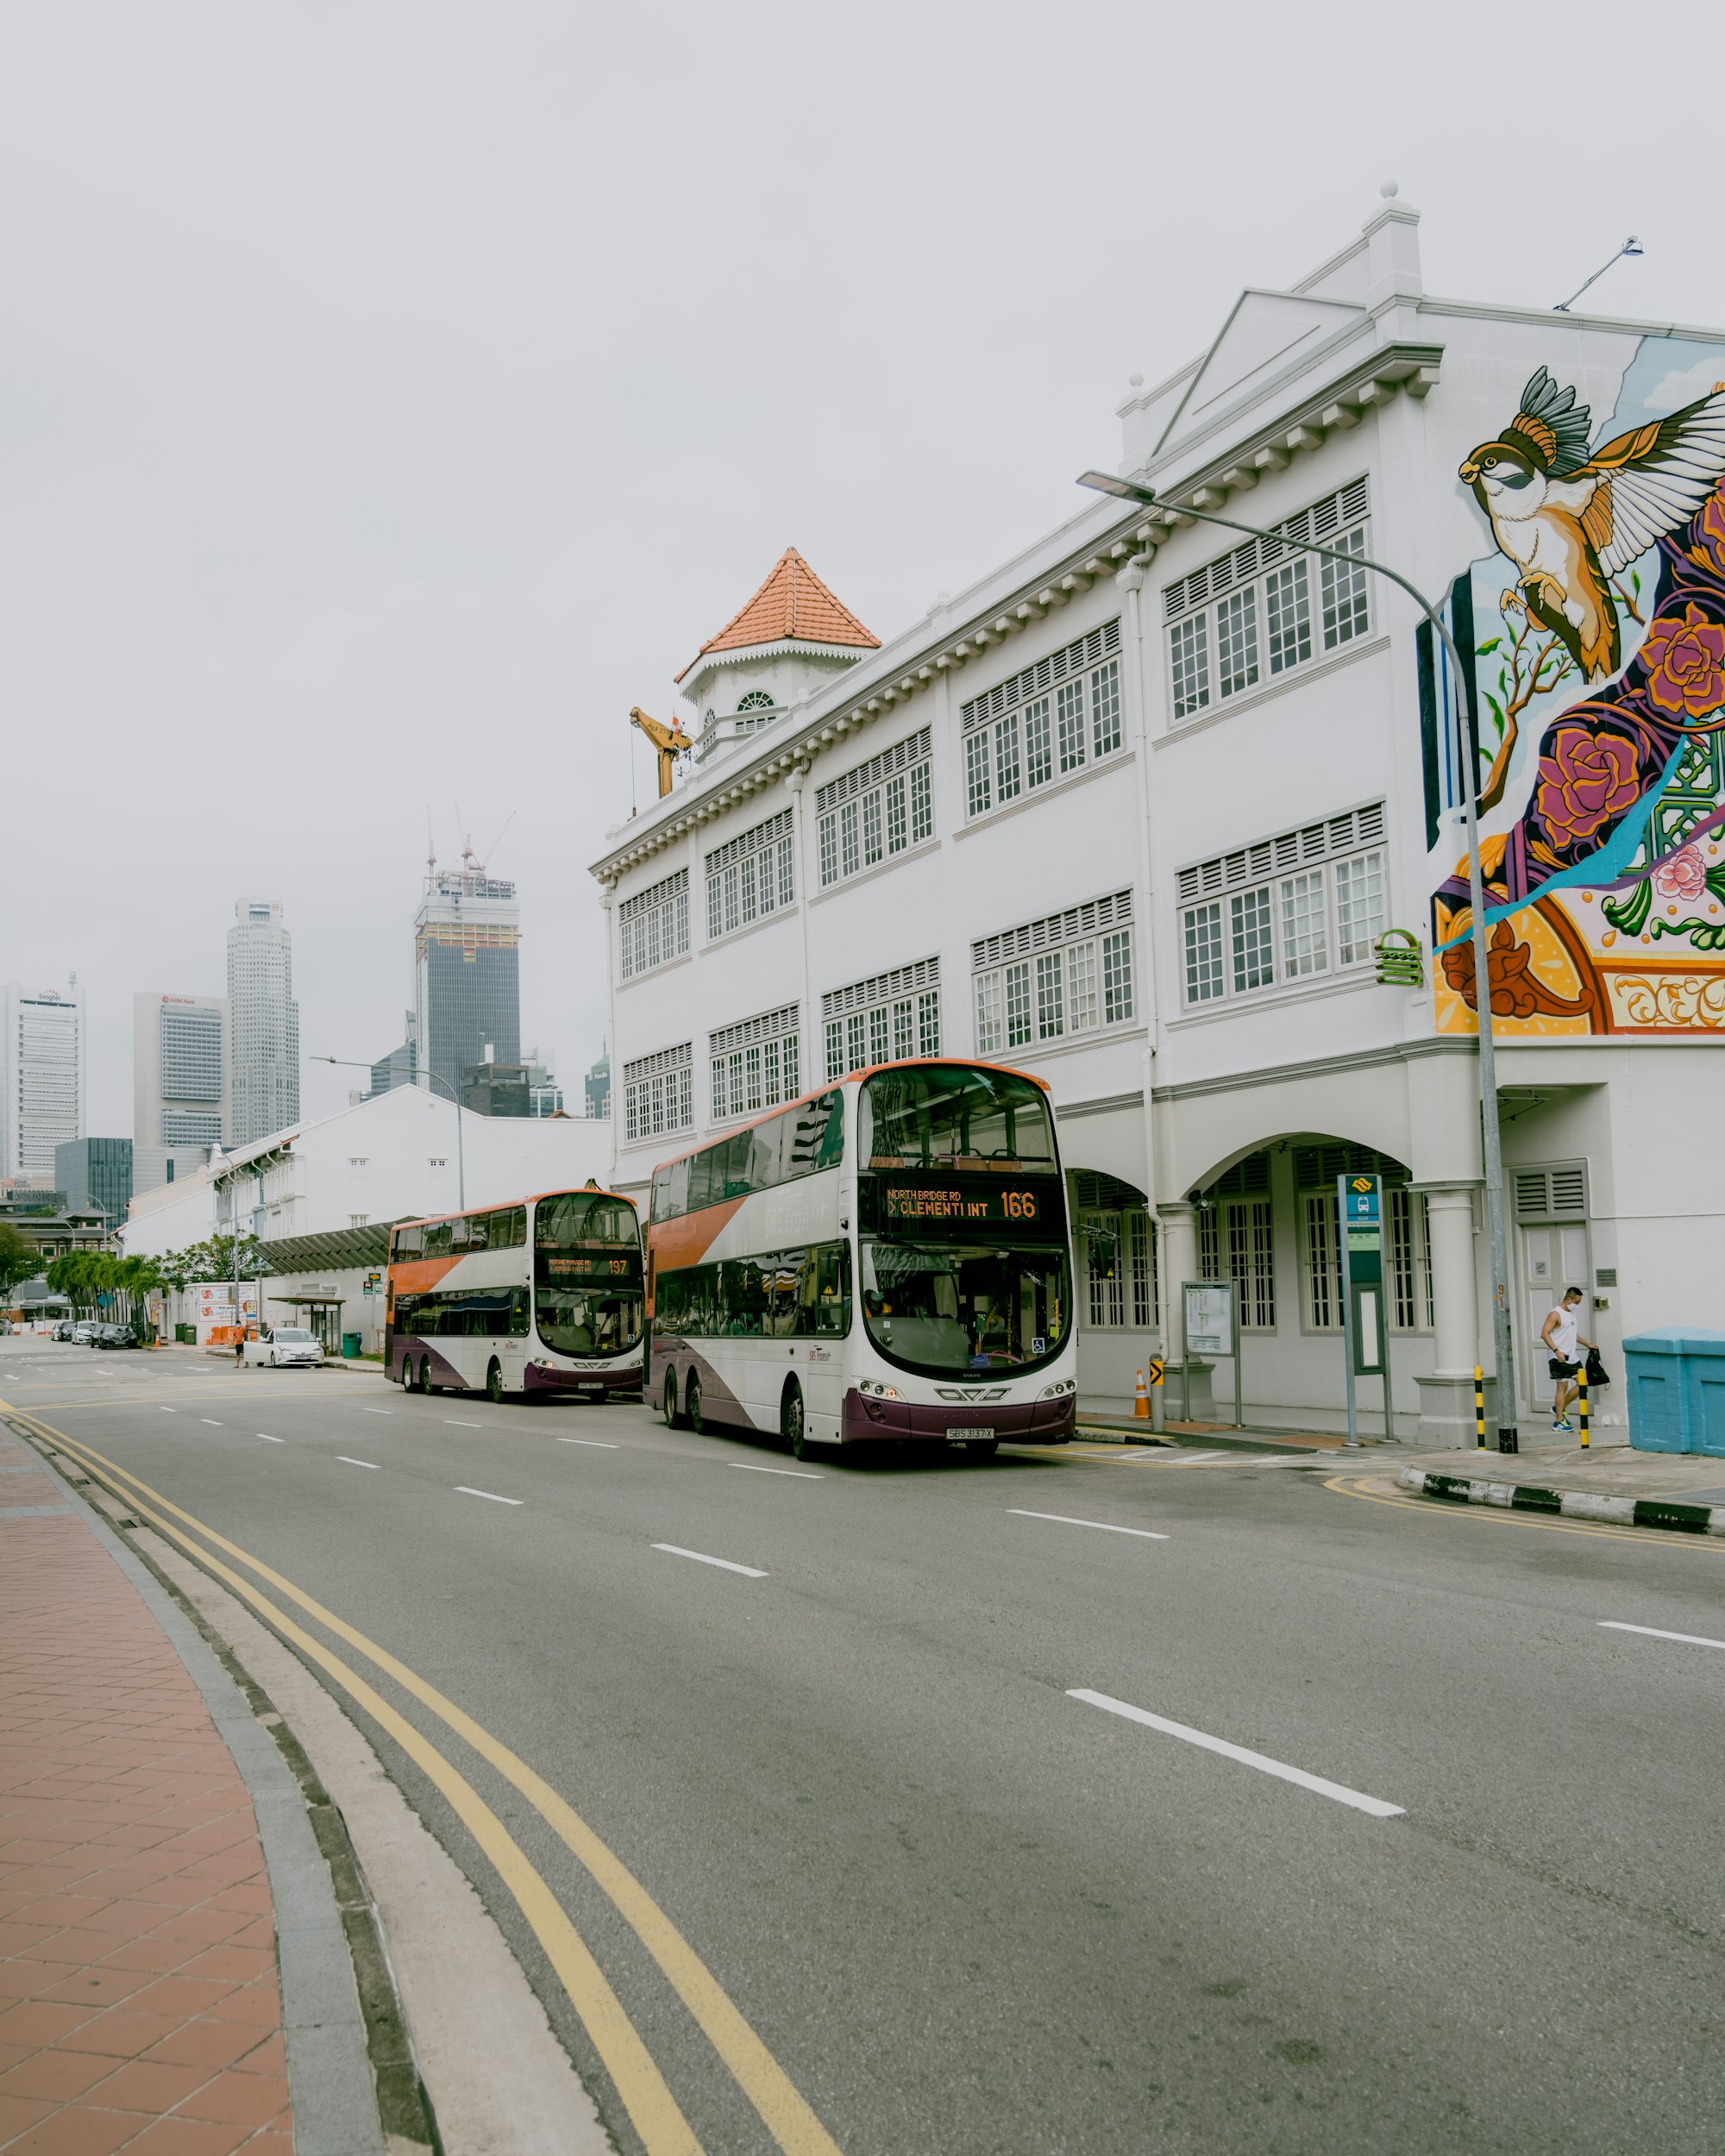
[952,1310]
[586,1273]
[954,1116]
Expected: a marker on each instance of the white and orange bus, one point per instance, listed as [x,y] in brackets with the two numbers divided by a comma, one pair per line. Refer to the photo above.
[884,1262]
[539,1298]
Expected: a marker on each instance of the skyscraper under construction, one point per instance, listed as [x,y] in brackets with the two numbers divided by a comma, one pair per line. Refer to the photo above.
[467,978]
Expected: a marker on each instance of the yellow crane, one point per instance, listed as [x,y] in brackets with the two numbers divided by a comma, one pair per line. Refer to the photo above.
[670,740]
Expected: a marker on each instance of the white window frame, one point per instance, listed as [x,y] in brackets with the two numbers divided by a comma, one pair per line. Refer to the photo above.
[653,927]
[752,876]
[1117,1249]
[1263,612]
[1286,912]
[1237,1242]
[658,1094]
[1043,725]
[1060,978]
[755,1064]
[1406,1255]
[890,1017]
[882,808]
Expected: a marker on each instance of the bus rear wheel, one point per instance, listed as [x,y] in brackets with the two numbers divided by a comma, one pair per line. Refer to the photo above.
[692,1405]
[424,1385]
[794,1422]
[494,1392]
[673,1419]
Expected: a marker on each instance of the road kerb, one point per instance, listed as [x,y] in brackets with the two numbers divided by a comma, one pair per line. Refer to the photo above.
[1572,1504]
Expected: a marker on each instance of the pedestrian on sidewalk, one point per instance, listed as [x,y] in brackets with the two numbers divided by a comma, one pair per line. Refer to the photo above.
[1562,1337]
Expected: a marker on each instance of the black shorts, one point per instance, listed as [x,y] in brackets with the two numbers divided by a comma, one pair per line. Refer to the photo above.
[1560,1369]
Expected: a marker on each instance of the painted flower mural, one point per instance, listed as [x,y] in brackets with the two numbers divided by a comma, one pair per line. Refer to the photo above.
[1684,876]
[1586,778]
[1685,661]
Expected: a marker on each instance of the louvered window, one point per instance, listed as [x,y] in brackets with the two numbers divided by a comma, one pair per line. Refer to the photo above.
[755,1064]
[1046,723]
[1068,972]
[1250,611]
[1304,903]
[653,926]
[887,1018]
[658,1093]
[1551,1194]
[883,807]
[754,874]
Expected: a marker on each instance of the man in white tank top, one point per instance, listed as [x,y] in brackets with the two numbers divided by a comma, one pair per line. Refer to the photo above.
[1562,1338]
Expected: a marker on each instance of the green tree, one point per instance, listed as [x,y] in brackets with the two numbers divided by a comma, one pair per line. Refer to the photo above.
[19,1260]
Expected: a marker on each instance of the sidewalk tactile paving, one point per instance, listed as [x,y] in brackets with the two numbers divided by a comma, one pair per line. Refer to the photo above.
[139,2010]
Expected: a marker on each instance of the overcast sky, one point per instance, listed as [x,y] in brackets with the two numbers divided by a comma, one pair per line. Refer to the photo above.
[391,395]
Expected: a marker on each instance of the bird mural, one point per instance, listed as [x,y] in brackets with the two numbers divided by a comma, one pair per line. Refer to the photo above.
[1572,519]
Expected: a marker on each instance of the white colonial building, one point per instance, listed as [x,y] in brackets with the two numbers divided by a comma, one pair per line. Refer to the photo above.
[1135,811]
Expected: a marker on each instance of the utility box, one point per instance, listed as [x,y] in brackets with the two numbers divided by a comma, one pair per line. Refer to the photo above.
[1675,1378]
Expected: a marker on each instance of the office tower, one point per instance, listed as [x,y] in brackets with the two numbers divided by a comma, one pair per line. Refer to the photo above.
[467,980]
[41,1078]
[96,1172]
[180,1084]
[401,1065]
[596,1085]
[263,1025]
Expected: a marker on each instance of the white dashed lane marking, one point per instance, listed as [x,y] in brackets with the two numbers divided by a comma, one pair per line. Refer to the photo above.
[462,1490]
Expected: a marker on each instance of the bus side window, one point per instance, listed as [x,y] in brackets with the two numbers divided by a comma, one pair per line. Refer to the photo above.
[458,1234]
[833,1315]
[437,1239]
[409,1242]
[478,1230]
[520,1315]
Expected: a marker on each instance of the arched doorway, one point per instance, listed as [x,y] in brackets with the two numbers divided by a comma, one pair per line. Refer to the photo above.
[1114,1286]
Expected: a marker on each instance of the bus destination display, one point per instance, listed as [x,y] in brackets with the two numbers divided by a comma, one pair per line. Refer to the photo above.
[933,1204]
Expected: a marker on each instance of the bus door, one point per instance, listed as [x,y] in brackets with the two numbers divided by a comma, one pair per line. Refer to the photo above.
[824,1321]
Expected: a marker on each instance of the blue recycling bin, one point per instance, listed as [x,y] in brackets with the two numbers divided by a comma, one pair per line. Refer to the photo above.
[1675,1378]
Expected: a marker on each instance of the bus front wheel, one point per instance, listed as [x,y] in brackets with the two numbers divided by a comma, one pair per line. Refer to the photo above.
[673,1419]
[792,1422]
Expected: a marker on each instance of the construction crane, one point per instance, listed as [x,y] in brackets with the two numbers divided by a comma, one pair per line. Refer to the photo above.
[670,742]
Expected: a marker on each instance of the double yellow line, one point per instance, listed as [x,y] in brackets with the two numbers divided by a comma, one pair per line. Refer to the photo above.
[653,2109]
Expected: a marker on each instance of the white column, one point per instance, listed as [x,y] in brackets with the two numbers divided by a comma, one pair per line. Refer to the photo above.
[1454,1300]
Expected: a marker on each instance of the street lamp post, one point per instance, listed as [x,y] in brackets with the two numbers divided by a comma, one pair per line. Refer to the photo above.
[352,1063]
[1126,490]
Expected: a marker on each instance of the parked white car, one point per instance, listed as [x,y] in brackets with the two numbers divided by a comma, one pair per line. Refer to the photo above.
[285,1345]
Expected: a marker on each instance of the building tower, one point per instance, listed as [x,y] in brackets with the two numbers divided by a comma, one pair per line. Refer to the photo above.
[792,638]
[41,1079]
[180,1104]
[263,1031]
[467,975]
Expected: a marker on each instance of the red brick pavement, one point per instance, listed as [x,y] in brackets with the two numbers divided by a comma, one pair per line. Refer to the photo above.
[139,2002]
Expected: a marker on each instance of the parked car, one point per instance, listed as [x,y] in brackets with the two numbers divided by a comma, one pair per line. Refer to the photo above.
[85,1331]
[114,1336]
[66,1330]
[284,1346]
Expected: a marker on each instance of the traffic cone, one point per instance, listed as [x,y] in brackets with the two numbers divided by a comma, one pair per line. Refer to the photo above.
[1141,1403]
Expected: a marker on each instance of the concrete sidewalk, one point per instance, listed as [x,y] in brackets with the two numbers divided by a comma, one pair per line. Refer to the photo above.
[142,1940]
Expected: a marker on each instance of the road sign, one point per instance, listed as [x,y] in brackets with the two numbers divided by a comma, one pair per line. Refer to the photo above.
[1157,1370]
[1365,1332]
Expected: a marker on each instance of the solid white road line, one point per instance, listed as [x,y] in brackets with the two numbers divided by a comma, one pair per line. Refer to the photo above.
[268,1439]
[1066,1520]
[453,1425]
[1652,1632]
[598,1442]
[348,1460]
[754,1467]
[462,1490]
[1338,1790]
[724,1564]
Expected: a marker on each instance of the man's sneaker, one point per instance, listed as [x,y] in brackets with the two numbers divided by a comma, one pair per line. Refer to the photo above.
[1563,1425]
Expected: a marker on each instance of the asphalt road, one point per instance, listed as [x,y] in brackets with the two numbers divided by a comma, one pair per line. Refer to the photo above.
[965,1911]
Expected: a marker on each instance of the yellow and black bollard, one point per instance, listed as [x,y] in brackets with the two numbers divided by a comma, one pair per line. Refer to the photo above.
[1581,1380]
[1479,1407]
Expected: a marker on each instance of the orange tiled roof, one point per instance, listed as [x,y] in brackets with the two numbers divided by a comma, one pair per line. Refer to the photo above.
[792,604]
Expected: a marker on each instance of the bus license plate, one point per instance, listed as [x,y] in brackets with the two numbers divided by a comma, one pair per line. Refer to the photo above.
[964,1436]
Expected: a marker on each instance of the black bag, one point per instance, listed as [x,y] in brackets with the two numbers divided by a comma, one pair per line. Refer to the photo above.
[1596,1372]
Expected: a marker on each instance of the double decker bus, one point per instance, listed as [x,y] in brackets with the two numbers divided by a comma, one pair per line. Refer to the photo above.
[883,1262]
[537,1298]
